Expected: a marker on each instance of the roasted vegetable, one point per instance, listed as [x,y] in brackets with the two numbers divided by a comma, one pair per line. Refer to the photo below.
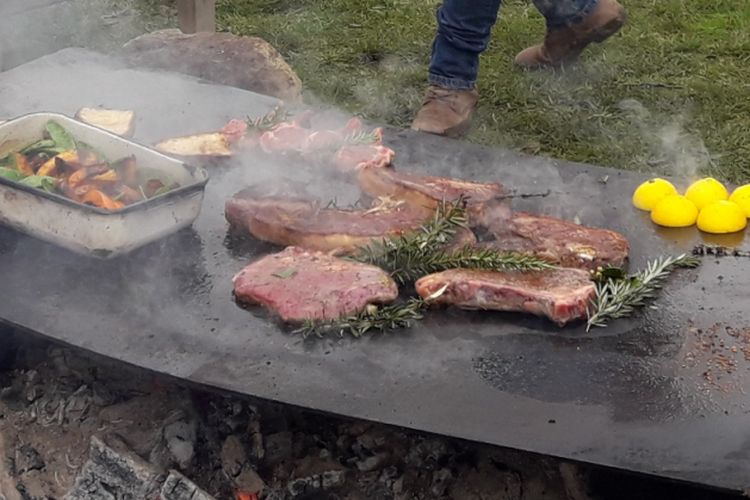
[60,164]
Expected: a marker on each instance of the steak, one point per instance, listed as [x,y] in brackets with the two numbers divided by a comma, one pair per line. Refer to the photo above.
[300,285]
[562,295]
[561,242]
[485,201]
[294,219]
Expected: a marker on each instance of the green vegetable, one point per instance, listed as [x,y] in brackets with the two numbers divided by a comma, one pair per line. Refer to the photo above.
[11,174]
[43,145]
[40,182]
[60,136]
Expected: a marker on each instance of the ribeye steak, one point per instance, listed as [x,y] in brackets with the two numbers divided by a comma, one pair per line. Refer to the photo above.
[293,219]
[485,200]
[561,295]
[559,241]
[300,285]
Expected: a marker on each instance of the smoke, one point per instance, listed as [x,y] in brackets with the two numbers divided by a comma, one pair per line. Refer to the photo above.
[673,149]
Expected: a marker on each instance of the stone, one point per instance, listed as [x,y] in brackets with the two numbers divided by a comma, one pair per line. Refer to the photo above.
[248,480]
[180,438]
[440,481]
[303,486]
[28,459]
[178,487]
[248,63]
[375,462]
[112,471]
[233,456]
[278,448]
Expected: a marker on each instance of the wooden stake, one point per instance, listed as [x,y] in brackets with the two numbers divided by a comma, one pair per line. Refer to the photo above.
[196,15]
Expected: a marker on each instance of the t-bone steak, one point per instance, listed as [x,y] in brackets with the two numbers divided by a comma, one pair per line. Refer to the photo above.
[485,201]
[561,242]
[300,285]
[562,295]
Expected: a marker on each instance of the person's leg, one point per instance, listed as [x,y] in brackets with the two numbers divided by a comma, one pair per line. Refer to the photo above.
[571,26]
[463,33]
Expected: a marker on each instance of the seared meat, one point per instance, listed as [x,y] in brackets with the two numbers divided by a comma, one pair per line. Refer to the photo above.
[559,241]
[300,285]
[286,219]
[561,295]
[484,199]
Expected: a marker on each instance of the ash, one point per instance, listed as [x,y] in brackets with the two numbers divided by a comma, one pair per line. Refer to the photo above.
[75,427]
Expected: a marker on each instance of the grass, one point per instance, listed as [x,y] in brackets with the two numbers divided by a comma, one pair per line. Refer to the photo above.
[670,93]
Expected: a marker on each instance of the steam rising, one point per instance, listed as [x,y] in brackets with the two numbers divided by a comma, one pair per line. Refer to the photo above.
[673,149]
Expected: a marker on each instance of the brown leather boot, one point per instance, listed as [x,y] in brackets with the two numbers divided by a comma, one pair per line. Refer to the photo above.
[446,111]
[566,44]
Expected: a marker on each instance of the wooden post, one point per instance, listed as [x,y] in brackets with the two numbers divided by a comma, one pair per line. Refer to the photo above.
[196,15]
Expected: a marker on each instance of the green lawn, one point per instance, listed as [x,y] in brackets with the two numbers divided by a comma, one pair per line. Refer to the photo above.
[671,93]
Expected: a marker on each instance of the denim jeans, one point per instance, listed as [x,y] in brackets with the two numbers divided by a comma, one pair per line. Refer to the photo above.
[463,33]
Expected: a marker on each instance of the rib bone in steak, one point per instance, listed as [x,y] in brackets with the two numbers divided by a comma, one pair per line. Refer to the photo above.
[559,241]
[561,295]
[484,199]
[300,285]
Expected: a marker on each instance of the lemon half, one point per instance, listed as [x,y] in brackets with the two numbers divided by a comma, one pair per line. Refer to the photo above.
[721,217]
[675,211]
[741,196]
[706,191]
[651,192]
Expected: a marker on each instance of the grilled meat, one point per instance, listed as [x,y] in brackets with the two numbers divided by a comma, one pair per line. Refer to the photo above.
[484,199]
[562,295]
[561,242]
[294,219]
[300,285]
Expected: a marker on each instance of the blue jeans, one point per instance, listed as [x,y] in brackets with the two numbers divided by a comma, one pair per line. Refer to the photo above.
[463,33]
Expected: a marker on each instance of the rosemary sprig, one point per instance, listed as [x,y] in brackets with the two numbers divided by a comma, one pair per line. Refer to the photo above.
[376,318]
[618,296]
[400,254]
[408,257]
[361,137]
[267,121]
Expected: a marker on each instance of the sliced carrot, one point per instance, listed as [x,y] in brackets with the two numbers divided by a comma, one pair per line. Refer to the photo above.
[101,200]
[23,165]
[49,167]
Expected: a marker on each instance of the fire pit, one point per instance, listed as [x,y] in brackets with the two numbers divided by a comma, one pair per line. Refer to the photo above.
[630,396]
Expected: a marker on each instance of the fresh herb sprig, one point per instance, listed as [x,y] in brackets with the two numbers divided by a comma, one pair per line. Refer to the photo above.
[268,121]
[619,295]
[362,137]
[409,257]
[373,318]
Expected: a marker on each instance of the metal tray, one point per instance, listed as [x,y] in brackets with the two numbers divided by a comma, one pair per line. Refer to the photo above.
[91,230]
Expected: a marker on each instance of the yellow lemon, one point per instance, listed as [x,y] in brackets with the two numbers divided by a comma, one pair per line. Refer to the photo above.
[651,192]
[741,196]
[675,211]
[721,217]
[706,191]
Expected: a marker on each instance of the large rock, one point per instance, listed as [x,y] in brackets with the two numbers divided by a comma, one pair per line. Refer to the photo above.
[248,63]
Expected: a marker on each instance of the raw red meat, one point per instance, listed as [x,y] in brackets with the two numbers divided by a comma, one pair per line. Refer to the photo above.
[300,285]
[234,130]
[562,295]
[354,157]
[559,241]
